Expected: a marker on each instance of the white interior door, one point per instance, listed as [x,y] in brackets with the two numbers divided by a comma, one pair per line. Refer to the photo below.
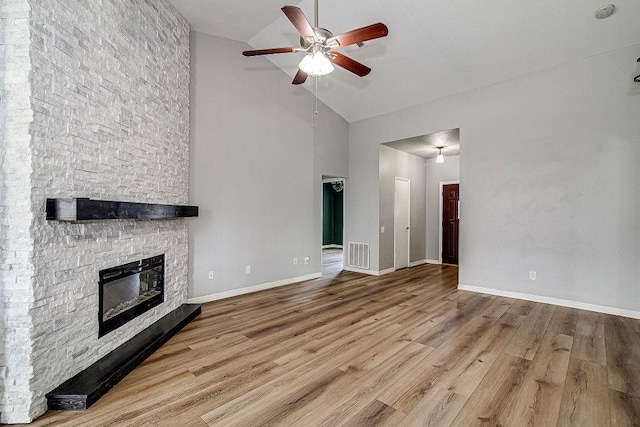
[401,220]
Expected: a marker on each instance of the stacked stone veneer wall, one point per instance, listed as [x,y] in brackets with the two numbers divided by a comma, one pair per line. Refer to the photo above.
[109,99]
[16,248]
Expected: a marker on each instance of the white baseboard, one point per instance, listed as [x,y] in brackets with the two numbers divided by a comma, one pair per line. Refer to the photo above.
[250,289]
[369,272]
[433,261]
[554,301]
[332,247]
[417,263]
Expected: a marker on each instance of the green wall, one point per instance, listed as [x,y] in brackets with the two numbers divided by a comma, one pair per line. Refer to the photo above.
[331,215]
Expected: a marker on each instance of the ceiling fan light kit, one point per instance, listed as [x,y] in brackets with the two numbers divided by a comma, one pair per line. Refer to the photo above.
[316,64]
[320,45]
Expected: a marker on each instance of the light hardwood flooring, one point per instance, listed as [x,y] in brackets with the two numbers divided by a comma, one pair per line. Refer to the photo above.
[332,261]
[404,349]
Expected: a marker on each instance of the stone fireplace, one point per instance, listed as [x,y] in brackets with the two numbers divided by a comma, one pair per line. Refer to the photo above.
[97,105]
[128,290]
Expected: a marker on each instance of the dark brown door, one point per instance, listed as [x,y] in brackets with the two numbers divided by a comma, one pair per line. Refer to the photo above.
[450,205]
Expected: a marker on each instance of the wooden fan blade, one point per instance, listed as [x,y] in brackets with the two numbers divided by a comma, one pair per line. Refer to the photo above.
[350,65]
[300,77]
[297,18]
[363,34]
[267,51]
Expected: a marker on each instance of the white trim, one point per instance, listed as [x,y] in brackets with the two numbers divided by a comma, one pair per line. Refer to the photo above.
[335,179]
[344,222]
[344,216]
[433,261]
[250,289]
[395,229]
[554,301]
[417,263]
[442,184]
[369,272]
[361,270]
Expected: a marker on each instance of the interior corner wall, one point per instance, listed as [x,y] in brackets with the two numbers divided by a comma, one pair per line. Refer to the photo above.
[437,173]
[398,164]
[256,169]
[548,174]
[330,158]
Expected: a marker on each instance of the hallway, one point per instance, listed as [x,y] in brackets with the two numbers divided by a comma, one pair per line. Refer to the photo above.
[332,261]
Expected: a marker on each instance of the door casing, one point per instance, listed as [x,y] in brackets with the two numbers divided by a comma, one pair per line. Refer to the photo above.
[440,220]
[395,223]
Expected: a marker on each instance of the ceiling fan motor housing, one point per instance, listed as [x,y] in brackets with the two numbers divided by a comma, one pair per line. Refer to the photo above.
[322,34]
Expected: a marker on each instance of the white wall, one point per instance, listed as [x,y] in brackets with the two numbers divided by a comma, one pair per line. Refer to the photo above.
[395,163]
[549,178]
[437,173]
[255,169]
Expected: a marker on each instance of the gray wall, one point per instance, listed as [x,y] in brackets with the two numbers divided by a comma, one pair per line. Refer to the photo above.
[330,158]
[256,168]
[361,205]
[437,173]
[549,177]
[395,163]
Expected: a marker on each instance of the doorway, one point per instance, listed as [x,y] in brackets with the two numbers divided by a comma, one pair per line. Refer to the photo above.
[450,215]
[332,225]
[401,221]
[426,223]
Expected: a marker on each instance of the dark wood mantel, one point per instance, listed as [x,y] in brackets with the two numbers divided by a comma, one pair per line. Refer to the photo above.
[82,209]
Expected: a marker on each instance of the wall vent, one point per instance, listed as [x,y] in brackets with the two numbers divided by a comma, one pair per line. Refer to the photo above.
[358,255]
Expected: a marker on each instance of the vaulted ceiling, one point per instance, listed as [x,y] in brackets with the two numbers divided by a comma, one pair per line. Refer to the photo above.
[435,48]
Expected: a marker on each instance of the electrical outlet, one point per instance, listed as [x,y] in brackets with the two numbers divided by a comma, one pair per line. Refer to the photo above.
[382,229]
[532,275]
[306,260]
[295,261]
[210,274]
[247,269]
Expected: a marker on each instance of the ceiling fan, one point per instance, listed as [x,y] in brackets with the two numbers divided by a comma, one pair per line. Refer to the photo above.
[320,45]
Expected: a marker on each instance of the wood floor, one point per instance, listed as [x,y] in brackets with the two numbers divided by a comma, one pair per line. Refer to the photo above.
[332,261]
[404,349]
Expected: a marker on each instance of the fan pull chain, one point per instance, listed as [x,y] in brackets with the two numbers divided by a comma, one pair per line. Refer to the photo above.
[315,79]
[315,103]
[315,96]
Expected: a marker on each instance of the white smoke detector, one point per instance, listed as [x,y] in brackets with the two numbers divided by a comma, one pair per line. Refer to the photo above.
[605,11]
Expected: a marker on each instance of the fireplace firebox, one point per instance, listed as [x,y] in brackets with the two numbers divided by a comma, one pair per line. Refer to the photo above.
[129,290]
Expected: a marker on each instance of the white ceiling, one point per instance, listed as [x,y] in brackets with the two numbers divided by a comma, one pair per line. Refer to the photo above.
[426,146]
[435,48]
[231,19]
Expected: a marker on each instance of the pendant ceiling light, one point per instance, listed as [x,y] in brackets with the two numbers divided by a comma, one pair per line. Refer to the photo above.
[440,158]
